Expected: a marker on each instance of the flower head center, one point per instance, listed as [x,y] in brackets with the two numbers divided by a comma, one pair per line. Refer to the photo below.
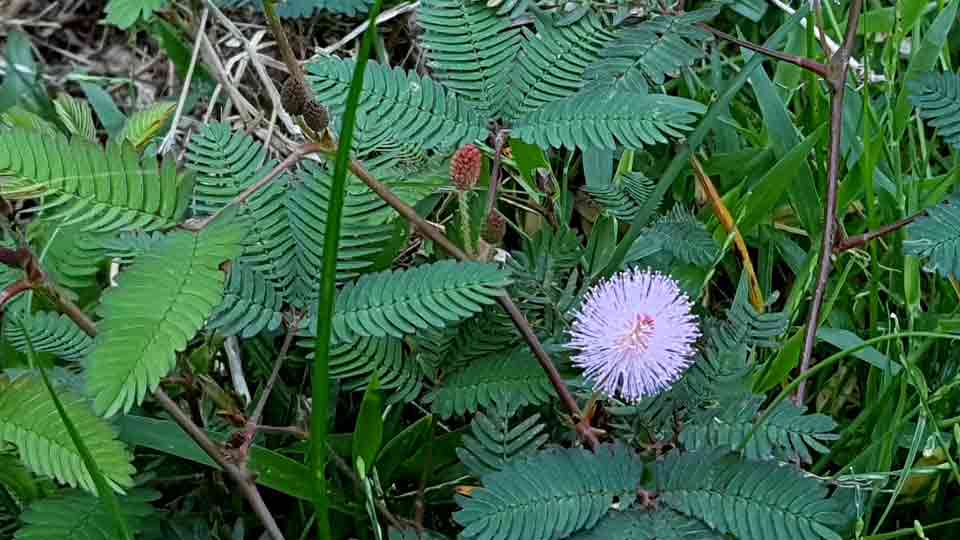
[637,338]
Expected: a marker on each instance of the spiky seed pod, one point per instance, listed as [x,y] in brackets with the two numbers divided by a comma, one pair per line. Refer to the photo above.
[465,167]
[495,228]
[293,95]
[315,115]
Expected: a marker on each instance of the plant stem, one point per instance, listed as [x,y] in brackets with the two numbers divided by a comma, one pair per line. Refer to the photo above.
[839,66]
[853,242]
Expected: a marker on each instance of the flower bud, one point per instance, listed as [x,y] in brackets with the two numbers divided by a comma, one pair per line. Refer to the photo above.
[495,228]
[465,167]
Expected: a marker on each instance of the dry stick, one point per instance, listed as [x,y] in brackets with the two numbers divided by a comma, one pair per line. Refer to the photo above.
[725,219]
[243,479]
[251,427]
[839,66]
[384,17]
[168,140]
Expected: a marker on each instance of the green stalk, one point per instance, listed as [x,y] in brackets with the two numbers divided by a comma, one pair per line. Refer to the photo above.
[104,491]
[328,284]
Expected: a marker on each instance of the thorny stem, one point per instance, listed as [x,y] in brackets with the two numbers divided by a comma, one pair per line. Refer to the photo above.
[495,171]
[854,242]
[838,68]
[254,419]
[805,63]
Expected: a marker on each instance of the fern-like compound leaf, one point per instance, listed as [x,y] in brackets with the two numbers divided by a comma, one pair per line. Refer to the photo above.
[622,199]
[250,304]
[29,420]
[660,524]
[73,257]
[787,433]
[128,245]
[353,364]
[77,515]
[550,495]
[645,54]
[609,119]
[551,64]
[144,125]
[936,238]
[515,377]
[494,440]
[398,303]
[470,49]
[100,189]
[76,116]
[937,99]
[48,332]
[408,107]
[680,234]
[226,163]
[752,500]
[363,235]
[158,305]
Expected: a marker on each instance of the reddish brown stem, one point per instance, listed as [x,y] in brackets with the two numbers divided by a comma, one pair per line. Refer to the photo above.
[854,242]
[799,61]
[839,65]
[495,171]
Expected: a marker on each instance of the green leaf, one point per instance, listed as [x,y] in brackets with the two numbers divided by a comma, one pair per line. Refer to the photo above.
[368,432]
[404,105]
[659,524]
[76,116]
[937,99]
[143,126]
[269,468]
[845,339]
[402,446]
[513,377]
[107,111]
[550,495]
[470,49]
[609,119]
[48,332]
[923,61]
[748,499]
[29,420]
[936,238]
[494,440]
[124,13]
[74,514]
[138,340]
[101,189]
[398,303]
[764,195]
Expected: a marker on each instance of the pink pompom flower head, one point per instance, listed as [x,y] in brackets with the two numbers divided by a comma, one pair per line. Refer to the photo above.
[635,334]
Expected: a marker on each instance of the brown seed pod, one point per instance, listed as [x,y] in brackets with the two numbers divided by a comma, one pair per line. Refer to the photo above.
[315,115]
[293,95]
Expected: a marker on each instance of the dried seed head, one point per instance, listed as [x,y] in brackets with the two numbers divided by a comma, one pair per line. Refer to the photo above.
[293,95]
[495,228]
[315,115]
[465,167]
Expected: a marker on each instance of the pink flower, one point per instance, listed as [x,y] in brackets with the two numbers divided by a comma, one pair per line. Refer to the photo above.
[635,334]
